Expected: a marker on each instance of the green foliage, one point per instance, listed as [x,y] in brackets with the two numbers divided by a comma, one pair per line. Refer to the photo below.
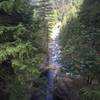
[80,42]
[89,15]
[17,5]
[80,39]
[20,44]
[90,93]
[7,5]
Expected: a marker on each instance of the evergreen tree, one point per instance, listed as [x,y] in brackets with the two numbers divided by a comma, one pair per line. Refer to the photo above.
[80,39]
[45,12]
[20,53]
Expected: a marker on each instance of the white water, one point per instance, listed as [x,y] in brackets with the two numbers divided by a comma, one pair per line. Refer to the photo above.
[54,57]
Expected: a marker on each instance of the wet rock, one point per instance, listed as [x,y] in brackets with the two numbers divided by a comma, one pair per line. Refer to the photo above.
[66,88]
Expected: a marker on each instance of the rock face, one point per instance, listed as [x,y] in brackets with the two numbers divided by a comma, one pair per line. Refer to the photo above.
[66,88]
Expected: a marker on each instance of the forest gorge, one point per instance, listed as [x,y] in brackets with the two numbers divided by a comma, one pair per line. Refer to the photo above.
[25,27]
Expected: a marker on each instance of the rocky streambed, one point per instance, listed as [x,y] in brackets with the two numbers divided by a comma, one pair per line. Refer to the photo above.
[66,88]
[60,87]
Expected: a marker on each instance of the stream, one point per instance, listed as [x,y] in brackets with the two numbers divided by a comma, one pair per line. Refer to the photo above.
[54,57]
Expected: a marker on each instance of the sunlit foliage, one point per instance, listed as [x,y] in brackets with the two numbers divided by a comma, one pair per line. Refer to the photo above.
[80,39]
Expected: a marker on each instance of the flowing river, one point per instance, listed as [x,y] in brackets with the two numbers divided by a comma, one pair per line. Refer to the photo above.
[54,57]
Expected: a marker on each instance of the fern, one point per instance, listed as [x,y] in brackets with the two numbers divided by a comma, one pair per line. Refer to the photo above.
[90,93]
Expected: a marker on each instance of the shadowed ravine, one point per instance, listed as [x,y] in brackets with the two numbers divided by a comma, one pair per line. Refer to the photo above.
[54,57]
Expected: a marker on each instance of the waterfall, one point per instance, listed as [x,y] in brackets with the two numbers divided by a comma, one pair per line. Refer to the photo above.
[54,57]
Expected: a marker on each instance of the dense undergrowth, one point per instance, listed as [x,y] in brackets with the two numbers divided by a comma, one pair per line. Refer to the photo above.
[80,39]
[23,47]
